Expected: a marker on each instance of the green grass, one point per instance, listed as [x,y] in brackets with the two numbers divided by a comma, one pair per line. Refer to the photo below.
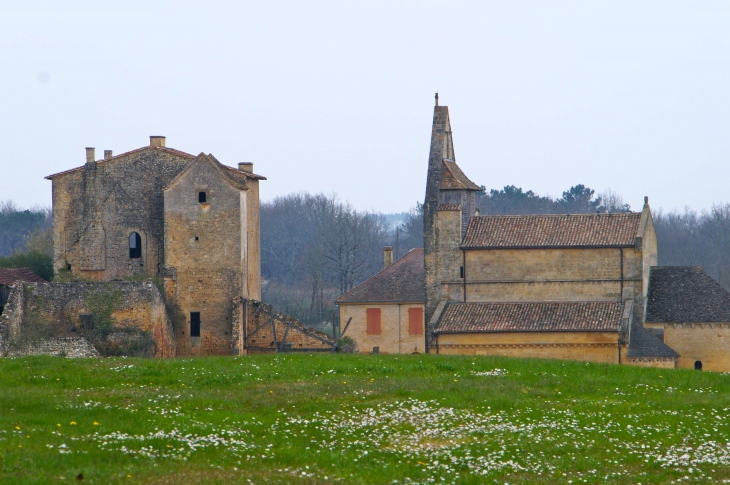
[320,418]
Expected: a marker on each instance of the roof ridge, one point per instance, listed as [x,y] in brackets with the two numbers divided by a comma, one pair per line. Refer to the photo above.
[105,160]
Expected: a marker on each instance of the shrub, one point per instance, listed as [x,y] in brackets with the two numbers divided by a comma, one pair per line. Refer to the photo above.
[346,345]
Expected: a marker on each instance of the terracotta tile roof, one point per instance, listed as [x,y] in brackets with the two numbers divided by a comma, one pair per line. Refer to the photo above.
[598,316]
[450,207]
[643,343]
[452,178]
[403,280]
[685,294]
[8,276]
[105,160]
[554,231]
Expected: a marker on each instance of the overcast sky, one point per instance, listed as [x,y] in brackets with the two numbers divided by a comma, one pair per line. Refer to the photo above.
[338,96]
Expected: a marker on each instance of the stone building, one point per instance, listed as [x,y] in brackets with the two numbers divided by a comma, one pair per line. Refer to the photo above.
[385,313]
[567,286]
[156,212]
[690,312]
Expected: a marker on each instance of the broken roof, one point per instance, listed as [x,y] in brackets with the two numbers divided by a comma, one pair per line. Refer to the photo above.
[594,316]
[679,294]
[9,276]
[452,178]
[402,281]
[552,231]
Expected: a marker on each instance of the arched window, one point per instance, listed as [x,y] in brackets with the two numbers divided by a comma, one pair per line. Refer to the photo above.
[135,245]
[698,365]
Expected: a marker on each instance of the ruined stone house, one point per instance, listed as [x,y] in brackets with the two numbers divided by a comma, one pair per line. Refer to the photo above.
[156,212]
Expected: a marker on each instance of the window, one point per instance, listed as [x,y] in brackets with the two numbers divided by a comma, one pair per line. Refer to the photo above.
[202,197]
[373,317]
[698,365]
[415,321]
[135,245]
[195,324]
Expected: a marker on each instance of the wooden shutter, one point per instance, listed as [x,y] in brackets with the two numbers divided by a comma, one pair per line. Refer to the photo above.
[373,315]
[415,321]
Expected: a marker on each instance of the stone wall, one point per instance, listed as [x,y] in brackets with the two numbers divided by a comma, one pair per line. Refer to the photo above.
[394,337]
[257,327]
[206,247]
[57,309]
[708,343]
[575,274]
[96,208]
[584,346]
[441,147]
[72,347]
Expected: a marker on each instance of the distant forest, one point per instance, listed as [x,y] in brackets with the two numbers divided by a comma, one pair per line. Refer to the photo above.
[316,247]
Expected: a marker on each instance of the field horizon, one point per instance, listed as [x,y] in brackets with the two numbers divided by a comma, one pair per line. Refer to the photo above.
[372,419]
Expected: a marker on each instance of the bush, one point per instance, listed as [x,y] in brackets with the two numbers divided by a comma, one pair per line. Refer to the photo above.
[346,345]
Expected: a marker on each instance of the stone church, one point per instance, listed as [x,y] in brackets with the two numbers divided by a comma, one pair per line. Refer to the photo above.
[156,212]
[567,286]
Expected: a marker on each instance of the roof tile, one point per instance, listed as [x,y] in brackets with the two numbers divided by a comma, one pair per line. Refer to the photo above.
[531,317]
[561,230]
[403,280]
[685,294]
[8,276]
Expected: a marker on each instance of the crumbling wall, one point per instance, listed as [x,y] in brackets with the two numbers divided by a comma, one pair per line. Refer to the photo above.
[47,312]
[258,328]
[71,347]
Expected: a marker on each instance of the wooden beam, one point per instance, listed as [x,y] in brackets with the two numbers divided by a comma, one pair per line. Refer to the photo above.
[346,325]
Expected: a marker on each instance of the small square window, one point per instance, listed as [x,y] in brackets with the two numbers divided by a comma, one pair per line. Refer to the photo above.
[202,197]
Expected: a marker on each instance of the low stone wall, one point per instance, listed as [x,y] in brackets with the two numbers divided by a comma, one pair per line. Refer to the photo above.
[73,347]
[58,308]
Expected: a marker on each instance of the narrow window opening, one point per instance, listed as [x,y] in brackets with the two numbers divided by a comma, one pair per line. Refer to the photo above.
[135,245]
[196,238]
[202,197]
[195,324]
[698,365]
[461,272]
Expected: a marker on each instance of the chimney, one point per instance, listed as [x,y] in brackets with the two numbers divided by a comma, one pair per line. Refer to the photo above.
[107,154]
[157,141]
[387,256]
[90,157]
[246,167]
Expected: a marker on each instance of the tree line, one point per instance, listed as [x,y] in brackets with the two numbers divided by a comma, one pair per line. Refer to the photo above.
[315,247]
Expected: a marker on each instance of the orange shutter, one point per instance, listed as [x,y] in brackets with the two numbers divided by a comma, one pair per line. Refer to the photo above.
[373,315]
[415,321]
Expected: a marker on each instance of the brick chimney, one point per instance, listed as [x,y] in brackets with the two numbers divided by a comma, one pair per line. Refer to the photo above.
[107,154]
[90,156]
[157,141]
[246,166]
[387,256]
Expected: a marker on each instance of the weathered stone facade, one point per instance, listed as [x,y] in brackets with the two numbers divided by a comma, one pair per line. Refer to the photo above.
[156,212]
[59,310]
[545,266]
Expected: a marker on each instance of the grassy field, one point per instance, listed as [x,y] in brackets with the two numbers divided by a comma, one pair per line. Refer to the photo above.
[303,418]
